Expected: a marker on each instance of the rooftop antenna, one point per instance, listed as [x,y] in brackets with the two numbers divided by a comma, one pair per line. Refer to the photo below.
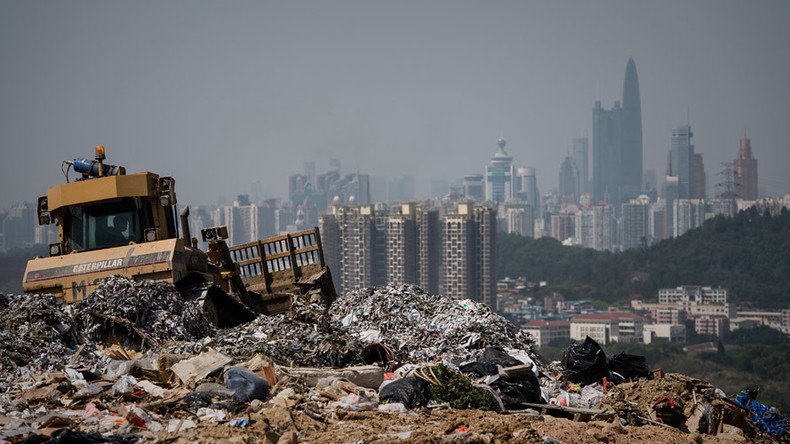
[688,115]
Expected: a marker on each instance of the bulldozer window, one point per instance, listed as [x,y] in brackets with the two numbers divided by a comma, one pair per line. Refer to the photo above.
[107,225]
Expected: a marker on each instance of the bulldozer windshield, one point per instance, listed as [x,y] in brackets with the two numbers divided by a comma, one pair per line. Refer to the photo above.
[106,225]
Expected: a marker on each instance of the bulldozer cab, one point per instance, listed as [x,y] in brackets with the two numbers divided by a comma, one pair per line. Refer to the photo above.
[108,224]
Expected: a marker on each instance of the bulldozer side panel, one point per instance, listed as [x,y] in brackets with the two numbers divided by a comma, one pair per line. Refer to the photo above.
[74,276]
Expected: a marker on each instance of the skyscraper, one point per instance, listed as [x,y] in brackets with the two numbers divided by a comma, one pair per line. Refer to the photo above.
[631,164]
[499,175]
[746,171]
[526,189]
[580,158]
[607,137]
[698,177]
[617,144]
[682,160]
[569,181]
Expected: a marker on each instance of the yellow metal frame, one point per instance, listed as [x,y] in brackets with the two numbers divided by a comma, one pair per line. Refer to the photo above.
[101,189]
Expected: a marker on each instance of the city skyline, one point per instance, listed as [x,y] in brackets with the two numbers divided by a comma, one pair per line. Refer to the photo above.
[420,89]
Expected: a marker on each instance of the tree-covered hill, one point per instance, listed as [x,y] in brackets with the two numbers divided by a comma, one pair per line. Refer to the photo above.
[748,254]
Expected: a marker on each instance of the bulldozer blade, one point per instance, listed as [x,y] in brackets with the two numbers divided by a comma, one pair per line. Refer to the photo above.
[222,310]
[269,304]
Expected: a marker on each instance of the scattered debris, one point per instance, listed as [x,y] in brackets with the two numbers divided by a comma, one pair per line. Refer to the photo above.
[136,362]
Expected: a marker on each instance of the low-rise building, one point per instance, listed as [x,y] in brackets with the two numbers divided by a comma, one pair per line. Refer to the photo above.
[774,319]
[692,293]
[692,309]
[608,327]
[666,332]
[711,325]
[546,332]
[743,323]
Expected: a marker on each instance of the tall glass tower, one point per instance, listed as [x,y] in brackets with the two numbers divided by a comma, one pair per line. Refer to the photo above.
[631,165]
[499,175]
[617,144]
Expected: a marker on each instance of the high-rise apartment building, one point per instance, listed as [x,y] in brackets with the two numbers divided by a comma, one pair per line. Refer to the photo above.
[248,222]
[402,262]
[499,175]
[636,223]
[671,187]
[520,218]
[593,227]
[746,171]
[357,238]
[682,161]
[563,225]
[469,257]
[687,215]
[369,245]
[429,249]
[617,144]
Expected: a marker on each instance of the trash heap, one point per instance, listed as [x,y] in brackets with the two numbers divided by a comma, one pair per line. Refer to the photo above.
[34,331]
[145,312]
[393,324]
[420,327]
[135,361]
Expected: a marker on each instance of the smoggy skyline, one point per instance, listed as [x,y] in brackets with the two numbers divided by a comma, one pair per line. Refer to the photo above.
[220,95]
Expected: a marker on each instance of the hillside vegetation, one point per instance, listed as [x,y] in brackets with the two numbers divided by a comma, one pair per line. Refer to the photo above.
[748,254]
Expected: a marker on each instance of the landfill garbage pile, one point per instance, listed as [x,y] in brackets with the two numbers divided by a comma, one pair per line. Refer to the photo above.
[146,311]
[442,369]
[285,340]
[34,331]
[398,324]
[420,327]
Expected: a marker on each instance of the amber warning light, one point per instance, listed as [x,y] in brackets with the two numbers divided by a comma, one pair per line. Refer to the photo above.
[100,152]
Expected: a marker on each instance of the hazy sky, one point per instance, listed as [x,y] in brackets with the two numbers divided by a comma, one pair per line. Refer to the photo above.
[221,94]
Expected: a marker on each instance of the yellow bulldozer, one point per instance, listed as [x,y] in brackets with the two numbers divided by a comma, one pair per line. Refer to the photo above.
[113,223]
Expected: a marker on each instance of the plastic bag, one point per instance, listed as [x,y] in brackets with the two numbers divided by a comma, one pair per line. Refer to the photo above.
[409,391]
[630,367]
[479,369]
[247,385]
[497,355]
[515,391]
[766,417]
[584,363]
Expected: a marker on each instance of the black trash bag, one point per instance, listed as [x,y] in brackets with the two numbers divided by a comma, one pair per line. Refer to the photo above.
[584,363]
[66,436]
[497,355]
[479,369]
[248,385]
[196,400]
[628,366]
[409,391]
[514,392]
